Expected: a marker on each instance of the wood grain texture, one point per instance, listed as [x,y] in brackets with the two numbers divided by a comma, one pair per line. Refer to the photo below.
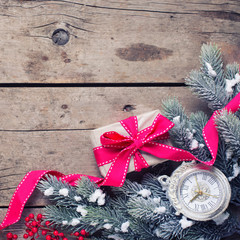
[112,41]
[64,151]
[83,108]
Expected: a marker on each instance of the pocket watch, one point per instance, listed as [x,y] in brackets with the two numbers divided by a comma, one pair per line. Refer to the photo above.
[198,191]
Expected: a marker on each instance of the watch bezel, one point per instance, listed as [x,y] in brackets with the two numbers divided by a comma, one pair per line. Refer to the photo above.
[176,180]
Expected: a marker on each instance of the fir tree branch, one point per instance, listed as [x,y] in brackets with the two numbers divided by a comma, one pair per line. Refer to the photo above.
[212,64]
[228,127]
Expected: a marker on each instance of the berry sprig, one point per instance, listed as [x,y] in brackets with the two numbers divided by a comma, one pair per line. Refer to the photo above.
[36,227]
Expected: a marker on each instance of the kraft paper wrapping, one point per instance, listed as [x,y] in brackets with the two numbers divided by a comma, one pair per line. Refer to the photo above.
[144,120]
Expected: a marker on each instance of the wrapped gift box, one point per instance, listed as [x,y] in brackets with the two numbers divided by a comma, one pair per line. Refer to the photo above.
[144,121]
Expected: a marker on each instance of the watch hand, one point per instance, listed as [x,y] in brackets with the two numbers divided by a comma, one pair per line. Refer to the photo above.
[210,195]
[201,192]
[197,183]
[194,197]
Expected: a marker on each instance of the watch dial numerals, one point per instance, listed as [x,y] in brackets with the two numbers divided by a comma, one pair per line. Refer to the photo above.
[200,192]
[204,207]
[204,176]
[196,207]
[211,181]
[185,195]
[211,204]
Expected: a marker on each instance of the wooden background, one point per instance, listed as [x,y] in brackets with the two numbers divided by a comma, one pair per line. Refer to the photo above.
[123,58]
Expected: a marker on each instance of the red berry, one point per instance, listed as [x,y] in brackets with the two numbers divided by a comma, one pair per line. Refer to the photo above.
[55,233]
[9,235]
[44,232]
[34,223]
[48,237]
[65,239]
[25,236]
[83,232]
[81,238]
[27,219]
[61,234]
[39,216]
[30,234]
[34,230]
[31,215]
[15,236]
[47,223]
[76,234]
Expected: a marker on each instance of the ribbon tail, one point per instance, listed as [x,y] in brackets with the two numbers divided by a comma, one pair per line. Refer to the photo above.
[22,194]
[117,172]
[26,188]
[139,162]
[168,152]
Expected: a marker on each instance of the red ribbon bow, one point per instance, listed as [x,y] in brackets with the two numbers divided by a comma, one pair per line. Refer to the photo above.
[118,149]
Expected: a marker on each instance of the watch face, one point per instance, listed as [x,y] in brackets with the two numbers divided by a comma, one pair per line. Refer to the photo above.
[199,192]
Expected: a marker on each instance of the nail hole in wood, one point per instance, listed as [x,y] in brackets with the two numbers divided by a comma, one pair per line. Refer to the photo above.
[60,36]
[128,108]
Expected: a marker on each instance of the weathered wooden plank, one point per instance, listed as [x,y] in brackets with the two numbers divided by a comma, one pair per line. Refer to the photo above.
[64,151]
[83,108]
[112,41]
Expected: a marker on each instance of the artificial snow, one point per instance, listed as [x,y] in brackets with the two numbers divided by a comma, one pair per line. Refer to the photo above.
[77,198]
[64,192]
[75,222]
[185,223]
[160,210]
[101,199]
[93,224]
[49,191]
[176,120]
[64,222]
[194,131]
[82,210]
[211,72]
[194,144]
[230,83]
[107,226]
[115,237]
[201,145]
[145,193]
[158,231]
[236,171]
[189,134]
[96,195]
[229,154]
[221,218]
[157,199]
[124,226]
